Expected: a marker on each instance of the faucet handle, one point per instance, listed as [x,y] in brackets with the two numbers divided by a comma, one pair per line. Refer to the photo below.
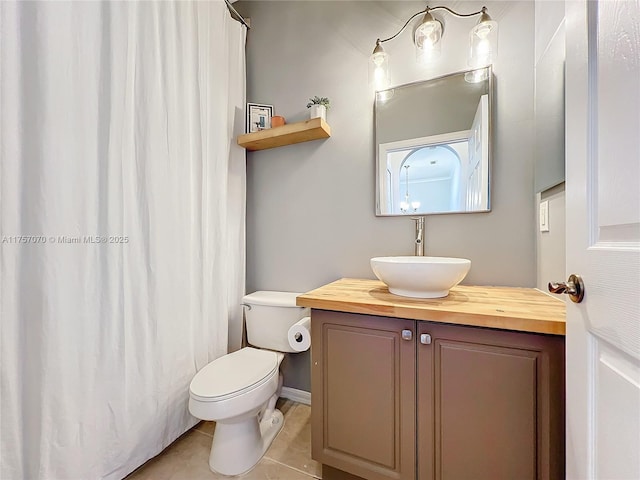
[419,222]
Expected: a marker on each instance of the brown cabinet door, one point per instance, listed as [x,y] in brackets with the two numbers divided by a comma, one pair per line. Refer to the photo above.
[490,404]
[363,394]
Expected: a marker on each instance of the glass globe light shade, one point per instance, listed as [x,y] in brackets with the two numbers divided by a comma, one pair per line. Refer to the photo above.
[427,39]
[379,69]
[483,42]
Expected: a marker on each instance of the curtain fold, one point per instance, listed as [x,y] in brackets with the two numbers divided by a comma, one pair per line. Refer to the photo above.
[122,224]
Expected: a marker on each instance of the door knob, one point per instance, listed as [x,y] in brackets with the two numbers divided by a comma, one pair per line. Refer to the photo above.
[574,288]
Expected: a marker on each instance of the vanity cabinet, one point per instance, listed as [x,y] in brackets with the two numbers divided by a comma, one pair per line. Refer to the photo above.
[490,404]
[404,399]
[363,393]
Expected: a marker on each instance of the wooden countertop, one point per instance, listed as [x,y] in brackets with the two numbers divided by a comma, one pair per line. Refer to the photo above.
[519,309]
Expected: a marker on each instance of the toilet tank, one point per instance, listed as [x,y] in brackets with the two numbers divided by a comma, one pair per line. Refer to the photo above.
[268,317]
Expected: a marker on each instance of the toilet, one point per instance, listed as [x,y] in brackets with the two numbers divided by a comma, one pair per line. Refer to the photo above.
[239,390]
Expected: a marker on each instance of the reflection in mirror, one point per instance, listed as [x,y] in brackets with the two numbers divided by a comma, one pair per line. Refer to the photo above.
[433,146]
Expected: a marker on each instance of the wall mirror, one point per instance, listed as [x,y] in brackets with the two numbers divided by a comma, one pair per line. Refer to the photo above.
[433,145]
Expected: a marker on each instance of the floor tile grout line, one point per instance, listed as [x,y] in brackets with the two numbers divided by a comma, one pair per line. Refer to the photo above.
[291,409]
[292,468]
[266,456]
[202,433]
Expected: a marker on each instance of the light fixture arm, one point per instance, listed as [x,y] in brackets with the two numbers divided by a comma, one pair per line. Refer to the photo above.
[421,12]
[456,14]
[427,10]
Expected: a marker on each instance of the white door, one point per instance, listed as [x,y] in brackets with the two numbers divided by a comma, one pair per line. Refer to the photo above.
[477,168]
[603,239]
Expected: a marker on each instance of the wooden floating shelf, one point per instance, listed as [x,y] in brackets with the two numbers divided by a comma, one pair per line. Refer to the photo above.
[313,129]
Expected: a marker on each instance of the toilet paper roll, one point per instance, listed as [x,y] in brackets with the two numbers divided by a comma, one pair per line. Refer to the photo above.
[299,335]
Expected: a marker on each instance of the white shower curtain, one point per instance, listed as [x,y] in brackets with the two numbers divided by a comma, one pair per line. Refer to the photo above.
[122,224]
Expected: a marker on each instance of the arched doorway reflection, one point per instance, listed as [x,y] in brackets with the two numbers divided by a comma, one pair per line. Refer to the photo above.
[429,178]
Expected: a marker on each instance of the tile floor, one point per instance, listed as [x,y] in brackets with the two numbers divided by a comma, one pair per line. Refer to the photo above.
[288,458]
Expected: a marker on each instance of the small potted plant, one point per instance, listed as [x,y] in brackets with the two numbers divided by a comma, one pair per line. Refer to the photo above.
[318,107]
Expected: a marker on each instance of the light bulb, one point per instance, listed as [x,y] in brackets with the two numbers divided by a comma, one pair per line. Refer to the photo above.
[428,34]
[380,79]
[429,28]
[483,29]
[415,205]
[427,39]
[484,47]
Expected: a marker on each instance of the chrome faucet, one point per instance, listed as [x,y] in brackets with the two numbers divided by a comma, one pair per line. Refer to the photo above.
[419,238]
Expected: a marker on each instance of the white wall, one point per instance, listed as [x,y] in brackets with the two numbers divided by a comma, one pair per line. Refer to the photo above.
[310,207]
[551,244]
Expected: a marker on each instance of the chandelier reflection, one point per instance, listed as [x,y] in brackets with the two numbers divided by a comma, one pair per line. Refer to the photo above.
[407,203]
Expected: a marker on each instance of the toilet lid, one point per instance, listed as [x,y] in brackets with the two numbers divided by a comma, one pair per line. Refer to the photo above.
[269,298]
[234,372]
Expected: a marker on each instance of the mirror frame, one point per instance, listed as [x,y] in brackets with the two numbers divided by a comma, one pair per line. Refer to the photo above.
[377,192]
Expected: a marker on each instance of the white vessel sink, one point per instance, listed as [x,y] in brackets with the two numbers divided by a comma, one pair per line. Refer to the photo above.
[420,277]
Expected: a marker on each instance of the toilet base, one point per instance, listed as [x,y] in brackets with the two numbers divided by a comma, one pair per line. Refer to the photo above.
[238,447]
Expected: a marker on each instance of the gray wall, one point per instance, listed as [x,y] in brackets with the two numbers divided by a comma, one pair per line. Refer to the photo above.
[310,207]
[430,108]
[549,50]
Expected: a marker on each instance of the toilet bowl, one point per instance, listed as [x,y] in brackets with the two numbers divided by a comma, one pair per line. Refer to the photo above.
[239,390]
[236,391]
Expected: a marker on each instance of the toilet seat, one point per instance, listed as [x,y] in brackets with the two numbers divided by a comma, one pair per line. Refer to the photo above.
[234,374]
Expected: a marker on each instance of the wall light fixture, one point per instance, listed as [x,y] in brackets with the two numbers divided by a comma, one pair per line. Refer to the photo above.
[483,43]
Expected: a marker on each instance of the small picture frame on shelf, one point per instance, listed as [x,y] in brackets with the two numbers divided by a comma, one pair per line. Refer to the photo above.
[258,117]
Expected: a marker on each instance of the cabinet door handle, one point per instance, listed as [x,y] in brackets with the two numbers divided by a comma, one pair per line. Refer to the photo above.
[407,334]
[425,339]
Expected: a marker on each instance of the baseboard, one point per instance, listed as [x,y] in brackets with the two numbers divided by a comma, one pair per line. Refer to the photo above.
[296,395]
